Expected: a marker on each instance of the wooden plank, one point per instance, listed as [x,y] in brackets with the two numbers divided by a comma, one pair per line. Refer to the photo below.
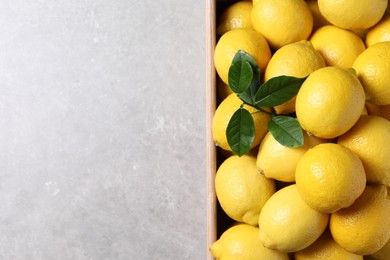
[210,108]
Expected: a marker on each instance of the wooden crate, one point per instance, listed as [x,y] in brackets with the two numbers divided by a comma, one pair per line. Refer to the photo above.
[213,9]
[211,160]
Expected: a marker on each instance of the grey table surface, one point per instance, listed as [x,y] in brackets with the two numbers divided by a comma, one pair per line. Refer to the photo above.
[102,129]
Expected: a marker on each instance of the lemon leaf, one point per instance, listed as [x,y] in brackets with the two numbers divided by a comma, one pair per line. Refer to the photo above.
[286,130]
[278,90]
[240,131]
[247,93]
[240,76]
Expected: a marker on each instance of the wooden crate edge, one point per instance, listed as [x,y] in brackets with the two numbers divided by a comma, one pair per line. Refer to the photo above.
[210,108]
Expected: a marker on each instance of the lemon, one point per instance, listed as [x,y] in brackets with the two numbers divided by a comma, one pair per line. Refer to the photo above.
[279,162]
[288,224]
[330,177]
[282,21]
[383,111]
[295,59]
[372,67]
[351,14]
[382,254]
[379,33]
[363,228]
[241,242]
[318,19]
[338,47]
[231,42]
[241,190]
[236,16]
[369,138]
[326,249]
[329,102]
[225,111]
[255,2]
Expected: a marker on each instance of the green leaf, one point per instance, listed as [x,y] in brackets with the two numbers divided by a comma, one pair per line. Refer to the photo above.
[240,131]
[240,76]
[255,84]
[248,96]
[278,90]
[286,130]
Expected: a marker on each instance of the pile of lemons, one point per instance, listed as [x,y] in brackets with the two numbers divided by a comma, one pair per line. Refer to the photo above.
[332,198]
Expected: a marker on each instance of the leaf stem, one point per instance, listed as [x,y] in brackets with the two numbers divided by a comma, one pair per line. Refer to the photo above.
[258,108]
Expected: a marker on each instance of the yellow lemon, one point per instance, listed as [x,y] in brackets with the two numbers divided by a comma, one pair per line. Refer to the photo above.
[383,111]
[318,19]
[330,177]
[279,162]
[282,21]
[338,47]
[255,2]
[295,59]
[329,102]
[382,254]
[231,42]
[241,190]
[241,242]
[372,67]
[379,33]
[236,16]
[351,14]
[288,224]
[325,248]
[225,111]
[363,228]
[369,138]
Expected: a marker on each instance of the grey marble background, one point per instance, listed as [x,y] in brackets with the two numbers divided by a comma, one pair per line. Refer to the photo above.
[102,129]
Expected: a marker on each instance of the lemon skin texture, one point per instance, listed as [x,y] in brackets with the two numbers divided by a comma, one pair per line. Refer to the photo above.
[288,224]
[241,190]
[363,228]
[382,254]
[352,14]
[325,248]
[231,42]
[236,16]
[282,21]
[338,47]
[372,67]
[369,138]
[241,242]
[379,33]
[330,177]
[329,102]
